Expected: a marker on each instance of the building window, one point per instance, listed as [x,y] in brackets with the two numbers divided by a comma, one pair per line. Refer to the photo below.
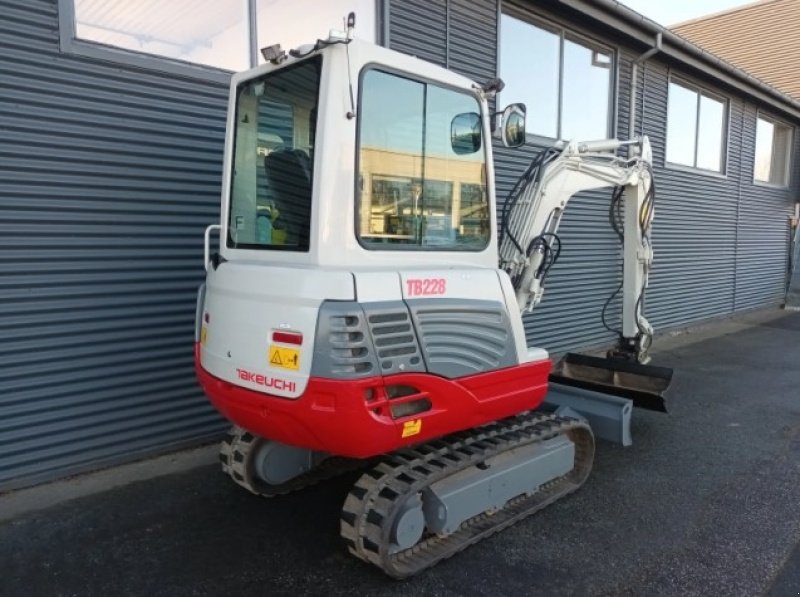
[565,82]
[773,150]
[696,127]
[206,33]
[209,32]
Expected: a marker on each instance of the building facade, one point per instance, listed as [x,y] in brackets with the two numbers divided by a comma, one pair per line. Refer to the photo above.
[111,157]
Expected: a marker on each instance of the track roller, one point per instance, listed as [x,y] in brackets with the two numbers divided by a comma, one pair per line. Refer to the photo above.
[268,468]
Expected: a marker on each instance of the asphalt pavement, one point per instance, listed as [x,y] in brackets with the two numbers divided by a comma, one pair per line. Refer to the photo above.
[706,502]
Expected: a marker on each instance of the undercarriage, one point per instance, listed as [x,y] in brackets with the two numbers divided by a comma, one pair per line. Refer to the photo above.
[420,505]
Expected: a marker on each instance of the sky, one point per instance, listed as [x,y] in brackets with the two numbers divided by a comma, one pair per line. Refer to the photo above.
[672,12]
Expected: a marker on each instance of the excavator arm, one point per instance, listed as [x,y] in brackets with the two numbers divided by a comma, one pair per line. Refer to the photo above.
[530,245]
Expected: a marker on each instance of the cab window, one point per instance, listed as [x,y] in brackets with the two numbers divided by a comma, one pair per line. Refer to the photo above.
[422,175]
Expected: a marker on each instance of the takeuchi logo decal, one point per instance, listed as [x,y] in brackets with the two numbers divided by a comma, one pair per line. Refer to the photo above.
[276,383]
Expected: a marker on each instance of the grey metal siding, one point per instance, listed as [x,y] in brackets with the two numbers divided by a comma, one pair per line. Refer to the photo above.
[109,176]
[763,233]
[473,31]
[694,233]
[419,28]
[700,271]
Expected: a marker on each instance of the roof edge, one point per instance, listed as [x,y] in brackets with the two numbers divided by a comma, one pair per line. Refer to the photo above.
[629,22]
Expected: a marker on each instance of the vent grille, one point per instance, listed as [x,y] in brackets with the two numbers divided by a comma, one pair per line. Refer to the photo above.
[395,341]
[348,347]
[360,340]
[463,337]
[342,348]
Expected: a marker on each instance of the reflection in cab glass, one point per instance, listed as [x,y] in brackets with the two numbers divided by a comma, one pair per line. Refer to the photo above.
[422,182]
[271,181]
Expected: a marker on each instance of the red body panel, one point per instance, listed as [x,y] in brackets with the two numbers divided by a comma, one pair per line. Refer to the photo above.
[353,417]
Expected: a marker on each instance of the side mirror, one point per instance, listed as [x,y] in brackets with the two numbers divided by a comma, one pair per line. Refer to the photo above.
[513,131]
[465,133]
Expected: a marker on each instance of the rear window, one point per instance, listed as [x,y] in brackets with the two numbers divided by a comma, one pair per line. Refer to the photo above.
[273,159]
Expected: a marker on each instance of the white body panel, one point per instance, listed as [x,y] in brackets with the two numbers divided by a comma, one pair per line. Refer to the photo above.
[475,284]
[246,302]
[467,283]
[527,354]
[376,286]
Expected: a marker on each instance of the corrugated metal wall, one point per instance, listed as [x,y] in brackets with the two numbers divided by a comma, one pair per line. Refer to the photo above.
[720,241]
[109,176]
[694,234]
[588,270]
[762,228]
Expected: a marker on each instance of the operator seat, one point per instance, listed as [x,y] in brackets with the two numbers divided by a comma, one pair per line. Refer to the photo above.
[289,186]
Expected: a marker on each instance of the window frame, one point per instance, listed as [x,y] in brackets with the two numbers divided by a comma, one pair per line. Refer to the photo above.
[357,189]
[701,91]
[787,175]
[569,34]
[70,43]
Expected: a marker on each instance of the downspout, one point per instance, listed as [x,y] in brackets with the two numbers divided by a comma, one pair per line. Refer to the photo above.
[635,83]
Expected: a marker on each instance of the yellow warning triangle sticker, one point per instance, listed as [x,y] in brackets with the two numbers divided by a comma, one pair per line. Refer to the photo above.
[275,359]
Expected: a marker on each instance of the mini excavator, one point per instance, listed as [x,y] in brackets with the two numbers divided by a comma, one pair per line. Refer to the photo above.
[365,306]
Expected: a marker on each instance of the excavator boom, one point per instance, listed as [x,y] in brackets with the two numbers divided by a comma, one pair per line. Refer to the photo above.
[530,246]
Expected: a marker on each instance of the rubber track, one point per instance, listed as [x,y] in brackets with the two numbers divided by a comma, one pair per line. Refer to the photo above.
[237,452]
[376,500]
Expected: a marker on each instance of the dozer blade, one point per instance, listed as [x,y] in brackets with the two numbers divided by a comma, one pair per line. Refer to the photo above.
[643,384]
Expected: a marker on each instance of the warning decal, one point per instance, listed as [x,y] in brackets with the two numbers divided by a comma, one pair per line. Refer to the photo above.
[412,427]
[285,358]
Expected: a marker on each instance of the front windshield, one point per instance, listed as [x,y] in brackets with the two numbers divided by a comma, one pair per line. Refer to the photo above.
[420,187]
[272,175]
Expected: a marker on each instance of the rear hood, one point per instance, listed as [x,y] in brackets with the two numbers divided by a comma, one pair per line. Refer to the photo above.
[245,304]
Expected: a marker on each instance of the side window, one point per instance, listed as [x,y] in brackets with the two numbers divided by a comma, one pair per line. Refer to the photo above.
[773,151]
[411,179]
[696,127]
[564,81]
